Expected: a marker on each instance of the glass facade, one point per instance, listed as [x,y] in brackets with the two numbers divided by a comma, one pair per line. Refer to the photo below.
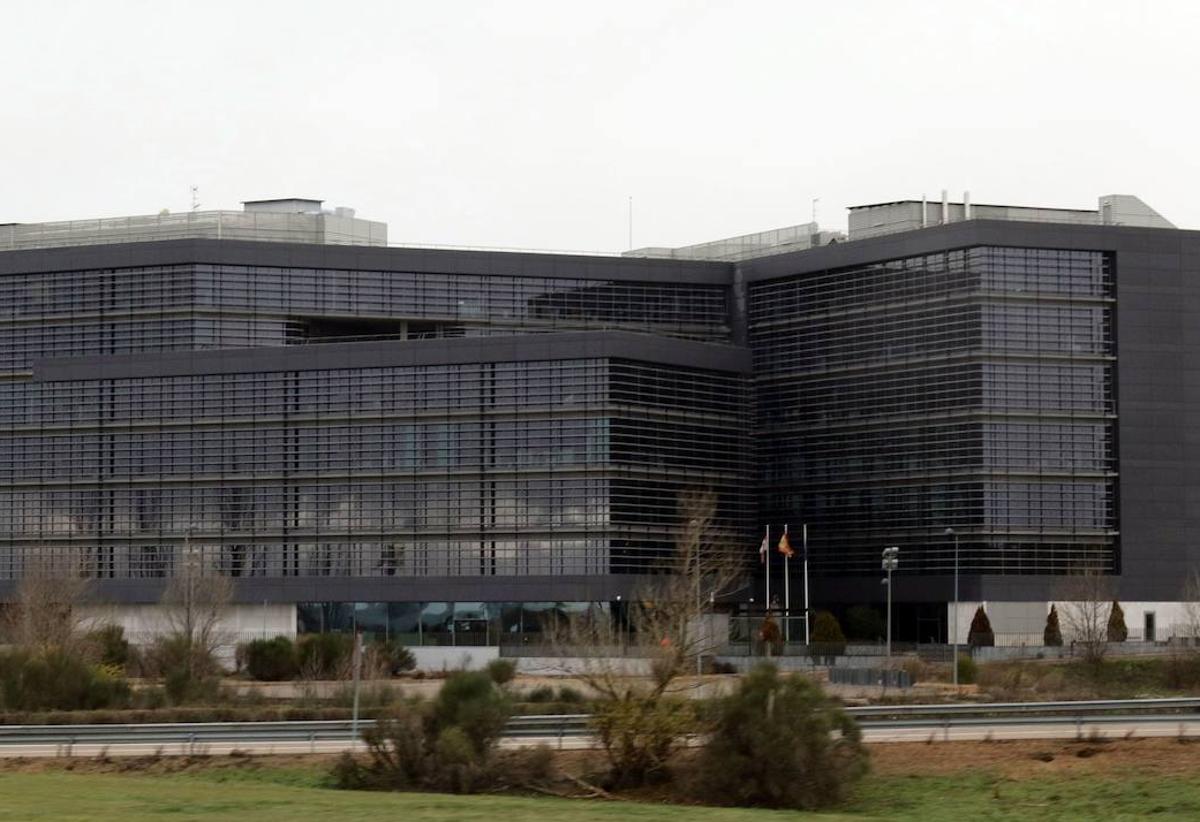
[531,468]
[971,389]
[186,307]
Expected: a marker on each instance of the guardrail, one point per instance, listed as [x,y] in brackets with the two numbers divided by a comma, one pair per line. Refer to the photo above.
[1073,708]
[194,734]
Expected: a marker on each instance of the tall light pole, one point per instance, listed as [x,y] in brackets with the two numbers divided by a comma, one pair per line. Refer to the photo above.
[891,561]
[954,658]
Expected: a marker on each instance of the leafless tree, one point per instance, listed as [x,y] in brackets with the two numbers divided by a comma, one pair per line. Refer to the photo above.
[667,622]
[1190,598]
[195,603]
[1086,600]
[668,627]
[45,611]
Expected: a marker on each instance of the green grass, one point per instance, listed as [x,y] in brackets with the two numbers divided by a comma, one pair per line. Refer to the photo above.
[69,797]
[270,794]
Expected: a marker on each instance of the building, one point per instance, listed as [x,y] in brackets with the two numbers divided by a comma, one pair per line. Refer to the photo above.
[406,440]
[442,444]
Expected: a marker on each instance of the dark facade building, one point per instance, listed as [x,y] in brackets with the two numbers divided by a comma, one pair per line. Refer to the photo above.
[410,440]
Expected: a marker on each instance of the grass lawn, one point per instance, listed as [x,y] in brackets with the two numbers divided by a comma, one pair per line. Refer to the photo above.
[290,795]
[67,796]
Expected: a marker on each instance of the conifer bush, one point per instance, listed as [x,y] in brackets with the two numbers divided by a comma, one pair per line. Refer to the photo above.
[980,634]
[1117,632]
[780,742]
[827,639]
[1052,636]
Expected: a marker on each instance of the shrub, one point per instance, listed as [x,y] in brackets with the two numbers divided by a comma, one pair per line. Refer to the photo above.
[827,639]
[916,669]
[111,646]
[780,742]
[770,636]
[1052,635]
[569,695]
[189,671]
[392,656]
[57,680]
[1117,632]
[502,671]
[470,701]
[272,660]
[542,693]
[865,623]
[639,735]
[968,671]
[980,634]
[325,656]
[173,652]
[447,744]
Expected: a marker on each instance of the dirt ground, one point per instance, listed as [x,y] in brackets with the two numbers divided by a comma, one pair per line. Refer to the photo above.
[1010,759]
[1023,759]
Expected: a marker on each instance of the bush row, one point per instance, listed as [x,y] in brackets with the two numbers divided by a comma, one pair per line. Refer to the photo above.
[320,656]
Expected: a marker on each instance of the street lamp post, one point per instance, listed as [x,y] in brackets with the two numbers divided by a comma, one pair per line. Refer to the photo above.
[891,560]
[954,658]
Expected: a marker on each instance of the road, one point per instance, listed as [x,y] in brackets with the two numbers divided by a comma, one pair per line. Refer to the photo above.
[874,732]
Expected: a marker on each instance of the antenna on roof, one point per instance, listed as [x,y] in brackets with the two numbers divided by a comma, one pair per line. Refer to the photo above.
[631,222]
[195,197]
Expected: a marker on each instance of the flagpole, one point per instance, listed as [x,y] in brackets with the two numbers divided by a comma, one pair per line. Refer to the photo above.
[807,613]
[767,561]
[787,594]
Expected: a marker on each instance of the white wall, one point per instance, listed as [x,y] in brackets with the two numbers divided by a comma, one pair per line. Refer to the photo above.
[241,623]
[474,658]
[1022,623]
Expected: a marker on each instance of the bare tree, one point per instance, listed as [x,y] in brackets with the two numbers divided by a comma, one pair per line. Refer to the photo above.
[45,611]
[667,619]
[1190,598]
[194,606]
[1087,599]
[667,627]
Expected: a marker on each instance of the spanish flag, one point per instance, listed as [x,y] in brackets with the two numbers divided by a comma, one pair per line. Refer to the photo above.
[785,547]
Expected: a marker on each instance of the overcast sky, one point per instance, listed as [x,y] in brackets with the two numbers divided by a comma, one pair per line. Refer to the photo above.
[530,124]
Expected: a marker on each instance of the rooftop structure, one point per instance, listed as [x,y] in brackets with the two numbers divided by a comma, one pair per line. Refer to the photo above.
[747,246]
[907,215]
[286,221]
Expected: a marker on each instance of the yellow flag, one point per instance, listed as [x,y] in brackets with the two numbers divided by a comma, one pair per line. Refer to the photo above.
[785,547]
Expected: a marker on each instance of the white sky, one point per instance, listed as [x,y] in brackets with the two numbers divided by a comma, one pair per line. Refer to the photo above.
[530,123]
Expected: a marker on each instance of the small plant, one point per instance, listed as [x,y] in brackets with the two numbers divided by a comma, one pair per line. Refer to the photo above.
[111,646]
[828,641]
[968,671]
[1052,635]
[770,636]
[58,680]
[864,623]
[542,693]
[569,696]
[1117,632]
[272,660]
[444,745]
[639,736]
[390,657]
[188,669]
[325,656]
[502,671]
[980,634]
[780,742]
